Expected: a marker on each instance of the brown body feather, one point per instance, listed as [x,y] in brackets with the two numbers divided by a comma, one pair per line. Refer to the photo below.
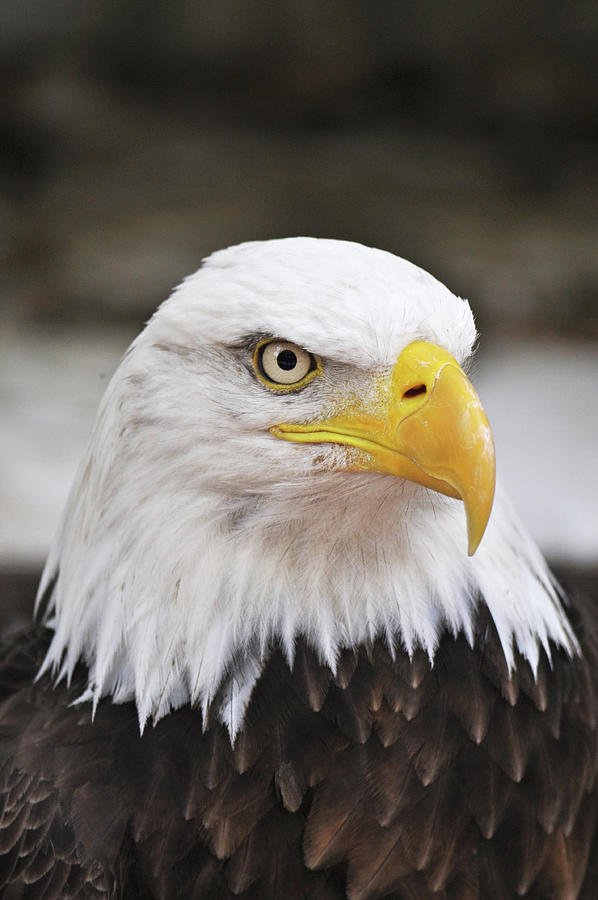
[393,778]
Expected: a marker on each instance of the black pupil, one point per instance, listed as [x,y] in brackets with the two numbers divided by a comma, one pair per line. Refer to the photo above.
[286,360]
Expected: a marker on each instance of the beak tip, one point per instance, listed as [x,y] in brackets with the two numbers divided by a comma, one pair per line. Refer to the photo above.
[473,541]
[476,525]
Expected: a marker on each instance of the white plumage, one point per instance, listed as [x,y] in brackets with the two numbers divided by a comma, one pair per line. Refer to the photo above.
[192,534]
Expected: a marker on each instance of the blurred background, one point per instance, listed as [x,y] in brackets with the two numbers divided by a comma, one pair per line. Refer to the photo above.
[138,137]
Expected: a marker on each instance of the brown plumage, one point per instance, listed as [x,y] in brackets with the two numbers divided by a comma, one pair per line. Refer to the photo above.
[391,778]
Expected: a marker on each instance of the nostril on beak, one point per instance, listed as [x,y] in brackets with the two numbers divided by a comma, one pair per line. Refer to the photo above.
[415,391]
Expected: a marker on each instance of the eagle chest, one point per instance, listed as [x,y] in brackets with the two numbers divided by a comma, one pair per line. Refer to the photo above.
[388,778]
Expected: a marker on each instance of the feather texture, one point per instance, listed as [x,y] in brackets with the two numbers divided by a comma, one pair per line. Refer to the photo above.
[321,804]
[334,700]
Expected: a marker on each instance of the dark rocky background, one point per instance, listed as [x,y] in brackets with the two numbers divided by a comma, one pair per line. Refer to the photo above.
[138,137]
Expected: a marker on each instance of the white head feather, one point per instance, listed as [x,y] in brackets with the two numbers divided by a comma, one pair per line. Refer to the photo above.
[192,535]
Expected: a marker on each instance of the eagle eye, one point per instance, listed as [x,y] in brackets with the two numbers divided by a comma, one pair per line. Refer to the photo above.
[282,365]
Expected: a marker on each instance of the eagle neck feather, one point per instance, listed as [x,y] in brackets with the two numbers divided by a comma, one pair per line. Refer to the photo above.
[196,614]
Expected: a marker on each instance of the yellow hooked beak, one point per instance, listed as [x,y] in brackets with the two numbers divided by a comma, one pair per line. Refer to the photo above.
[428,426]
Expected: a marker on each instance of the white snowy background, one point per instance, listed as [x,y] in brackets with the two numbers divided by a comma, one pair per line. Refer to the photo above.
[541,398]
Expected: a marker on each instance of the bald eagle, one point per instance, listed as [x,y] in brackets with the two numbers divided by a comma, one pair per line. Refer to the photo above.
[290,641]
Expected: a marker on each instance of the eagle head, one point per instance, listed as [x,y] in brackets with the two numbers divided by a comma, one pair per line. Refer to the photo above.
[290,448]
